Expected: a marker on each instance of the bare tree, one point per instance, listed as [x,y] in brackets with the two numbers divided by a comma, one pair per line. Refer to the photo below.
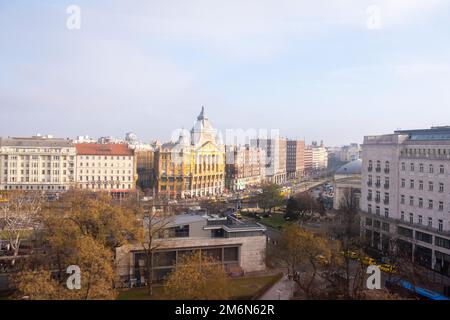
[156,224]
[19,217]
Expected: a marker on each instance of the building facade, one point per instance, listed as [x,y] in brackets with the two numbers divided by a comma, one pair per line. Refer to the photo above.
[347,183]
[274,154]
[191,166]
[319,156]
[244,167]
[105,167]
[406,194]
[295,159]
[37,163]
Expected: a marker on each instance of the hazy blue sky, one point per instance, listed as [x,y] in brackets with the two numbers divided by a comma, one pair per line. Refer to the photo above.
[312,69]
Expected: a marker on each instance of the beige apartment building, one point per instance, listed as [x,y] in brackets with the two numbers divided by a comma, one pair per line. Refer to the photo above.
[37,163]
[406,194]
[105,167]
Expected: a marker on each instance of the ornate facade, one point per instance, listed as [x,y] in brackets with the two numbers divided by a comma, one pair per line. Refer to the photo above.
[192,166]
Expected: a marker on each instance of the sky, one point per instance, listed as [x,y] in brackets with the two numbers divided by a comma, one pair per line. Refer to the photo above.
[332,70]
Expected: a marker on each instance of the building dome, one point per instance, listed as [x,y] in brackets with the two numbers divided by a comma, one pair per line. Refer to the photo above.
[351,168]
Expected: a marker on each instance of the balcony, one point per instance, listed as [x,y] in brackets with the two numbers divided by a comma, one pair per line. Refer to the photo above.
[386,185]
[369,169]
[386,170]
[378,169]
[377,200]
[369,198]
[369,183]
[377,184]
[386,201]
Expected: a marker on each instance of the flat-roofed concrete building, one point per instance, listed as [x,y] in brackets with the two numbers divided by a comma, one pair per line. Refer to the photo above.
[406,194]
[106,167]
[37,163]
[238,245]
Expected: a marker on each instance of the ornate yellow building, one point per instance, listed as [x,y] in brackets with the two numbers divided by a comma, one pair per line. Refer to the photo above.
[192,166]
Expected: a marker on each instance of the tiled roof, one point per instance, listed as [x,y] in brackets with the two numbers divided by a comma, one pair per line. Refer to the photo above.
[114,149]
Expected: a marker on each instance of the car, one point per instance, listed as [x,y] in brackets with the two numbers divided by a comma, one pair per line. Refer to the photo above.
[385,267]
[368,261]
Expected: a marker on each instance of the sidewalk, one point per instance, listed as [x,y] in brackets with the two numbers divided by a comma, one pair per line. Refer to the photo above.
[282,290]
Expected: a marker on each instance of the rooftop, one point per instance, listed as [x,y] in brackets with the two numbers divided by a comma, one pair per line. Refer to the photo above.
[103,149]
[38,141]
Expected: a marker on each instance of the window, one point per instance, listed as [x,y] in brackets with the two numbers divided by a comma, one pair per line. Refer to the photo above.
[441,206]
[442,242]
[430,222]
[231,254]
[441,169]
[386,212]
[421,167]
[411,184]
[403,183]
[420,185]
[430,204]
[411,200]
[403,166]
[430,186]
[441,187]
[369,208]
[411,166]
[425,237]
[368,222]
[402,199]
[420,202]
[411,218]
[420,219]
[440,225]
[405,232]
[377,210]
[402,216]
[431,168]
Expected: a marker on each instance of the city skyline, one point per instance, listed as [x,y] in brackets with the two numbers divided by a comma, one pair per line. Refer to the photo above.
[148,68]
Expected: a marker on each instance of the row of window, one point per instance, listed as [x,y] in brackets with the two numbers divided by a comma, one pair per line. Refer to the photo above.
[420,202]
[105,178]
[105,171]
[424,237]
[106,157]
[86,164]
[431,184]
[430,168]
[105,186]
[420,220]
[35,157]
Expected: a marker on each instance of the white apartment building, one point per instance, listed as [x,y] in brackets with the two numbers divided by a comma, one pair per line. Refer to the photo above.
[319,156]
[107,167]
[406,194]
[37,163]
